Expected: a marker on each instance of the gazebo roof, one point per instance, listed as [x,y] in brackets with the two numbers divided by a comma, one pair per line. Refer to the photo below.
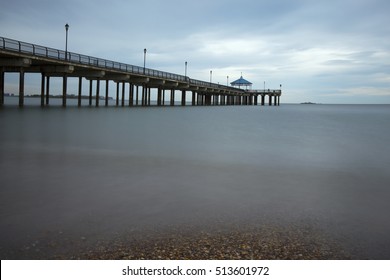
[241,82]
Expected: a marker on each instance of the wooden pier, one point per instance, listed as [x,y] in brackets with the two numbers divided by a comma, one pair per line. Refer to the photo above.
[133,83]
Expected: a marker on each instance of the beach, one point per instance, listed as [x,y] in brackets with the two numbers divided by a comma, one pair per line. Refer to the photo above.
[265,243]
[188,242]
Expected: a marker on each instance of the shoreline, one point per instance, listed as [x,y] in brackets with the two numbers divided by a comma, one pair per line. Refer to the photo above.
[268,242]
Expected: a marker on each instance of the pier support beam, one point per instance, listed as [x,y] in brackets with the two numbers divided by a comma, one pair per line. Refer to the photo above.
[172,97]
[64,89]
[117,94]
[159,93]
[106,101]
[144,94]
[262,100]
[183,98]
[2,75]
[216,100]
[202,99]
[131,94]
[47,90]
[42,89]
[90,92]
[193,98]
[123,94]
[270,100]
[149,91]
[80,91]
[208,99]
[136,95]
[21,87]
[97,92]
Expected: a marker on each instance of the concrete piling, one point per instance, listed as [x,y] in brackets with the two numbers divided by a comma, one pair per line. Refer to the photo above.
[42,89]
[21,87]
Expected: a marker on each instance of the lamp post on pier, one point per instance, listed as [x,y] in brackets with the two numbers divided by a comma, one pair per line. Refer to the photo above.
[227,80]
[144,59]
[185,70]
[66,41]
[211,76]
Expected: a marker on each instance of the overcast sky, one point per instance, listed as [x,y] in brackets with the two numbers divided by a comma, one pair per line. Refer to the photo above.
[326,51]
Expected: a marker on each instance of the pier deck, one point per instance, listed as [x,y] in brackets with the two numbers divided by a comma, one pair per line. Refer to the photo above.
[22,58]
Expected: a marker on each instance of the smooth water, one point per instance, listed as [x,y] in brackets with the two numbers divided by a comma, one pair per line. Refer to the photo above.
[93,173]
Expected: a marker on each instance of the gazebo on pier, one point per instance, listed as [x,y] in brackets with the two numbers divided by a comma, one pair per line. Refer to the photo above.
[241,82]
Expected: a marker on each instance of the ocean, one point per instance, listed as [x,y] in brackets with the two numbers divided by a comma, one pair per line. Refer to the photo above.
[92,174]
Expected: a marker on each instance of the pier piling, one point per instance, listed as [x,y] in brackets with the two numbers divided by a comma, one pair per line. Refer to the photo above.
[21,87]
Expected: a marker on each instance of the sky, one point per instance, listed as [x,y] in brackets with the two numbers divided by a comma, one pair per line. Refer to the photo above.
[324,51]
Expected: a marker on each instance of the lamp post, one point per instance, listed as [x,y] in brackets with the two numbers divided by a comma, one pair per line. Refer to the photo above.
[227,80]
[185,71]
[211,76]
[144,60]
[66,41]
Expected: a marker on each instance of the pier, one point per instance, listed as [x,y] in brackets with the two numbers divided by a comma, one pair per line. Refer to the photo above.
[133,83]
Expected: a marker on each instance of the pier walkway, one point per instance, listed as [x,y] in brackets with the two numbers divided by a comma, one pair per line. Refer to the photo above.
[22,58]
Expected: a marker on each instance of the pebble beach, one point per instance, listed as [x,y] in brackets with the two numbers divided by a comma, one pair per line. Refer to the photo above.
[270,242]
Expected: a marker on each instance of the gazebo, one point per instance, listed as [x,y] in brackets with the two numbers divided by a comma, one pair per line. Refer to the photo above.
[241,82]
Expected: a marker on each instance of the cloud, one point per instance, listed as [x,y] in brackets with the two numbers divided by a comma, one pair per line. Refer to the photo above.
[311,47]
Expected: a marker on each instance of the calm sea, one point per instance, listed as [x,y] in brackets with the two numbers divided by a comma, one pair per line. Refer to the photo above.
[94,173]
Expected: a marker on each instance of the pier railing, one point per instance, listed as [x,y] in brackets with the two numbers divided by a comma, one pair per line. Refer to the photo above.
[75,58]
[265,91]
